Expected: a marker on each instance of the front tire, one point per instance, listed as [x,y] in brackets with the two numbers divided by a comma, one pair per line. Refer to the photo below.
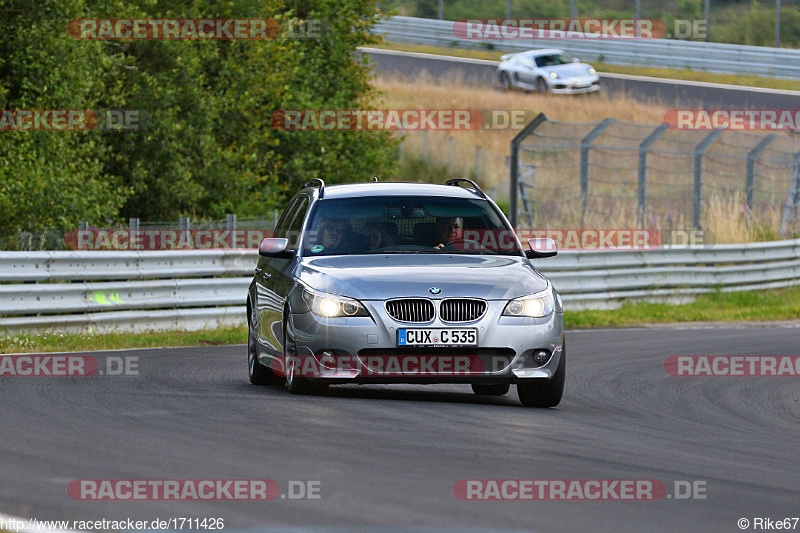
[541,86]
[498,389]
[296,384]
[544,392]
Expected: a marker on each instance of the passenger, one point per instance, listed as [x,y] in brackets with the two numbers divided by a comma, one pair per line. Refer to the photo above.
[448,230]
[332,237]
[380,235]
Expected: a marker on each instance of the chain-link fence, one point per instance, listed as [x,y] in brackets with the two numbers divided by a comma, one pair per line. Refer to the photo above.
[623,174]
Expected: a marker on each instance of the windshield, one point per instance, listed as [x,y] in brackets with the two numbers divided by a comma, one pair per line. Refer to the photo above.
[552,59]
[407,225]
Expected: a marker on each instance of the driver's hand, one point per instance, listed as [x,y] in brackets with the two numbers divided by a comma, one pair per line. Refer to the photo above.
[439,246]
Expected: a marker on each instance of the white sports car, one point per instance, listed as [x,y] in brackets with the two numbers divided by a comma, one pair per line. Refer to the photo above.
[547,71]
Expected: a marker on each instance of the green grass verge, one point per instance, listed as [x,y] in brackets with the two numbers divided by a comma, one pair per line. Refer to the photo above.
[76,342]
[689,75]
[751,306]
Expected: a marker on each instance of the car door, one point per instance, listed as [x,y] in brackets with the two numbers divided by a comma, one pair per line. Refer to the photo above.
[527,72]
[279,276]
[268,302]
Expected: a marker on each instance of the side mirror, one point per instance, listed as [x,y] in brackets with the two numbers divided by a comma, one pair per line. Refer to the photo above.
[271,247]
[541,248]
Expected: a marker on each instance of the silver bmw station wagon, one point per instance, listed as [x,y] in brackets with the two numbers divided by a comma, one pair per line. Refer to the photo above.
[404,283]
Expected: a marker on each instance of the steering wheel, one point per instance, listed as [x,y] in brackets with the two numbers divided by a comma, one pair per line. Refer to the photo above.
[450,244]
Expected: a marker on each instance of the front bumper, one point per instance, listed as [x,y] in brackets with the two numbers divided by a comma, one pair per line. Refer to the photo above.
[574,85]
[503,354]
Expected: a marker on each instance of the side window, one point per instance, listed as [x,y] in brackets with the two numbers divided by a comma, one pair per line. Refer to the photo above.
[297,225]
[286,218]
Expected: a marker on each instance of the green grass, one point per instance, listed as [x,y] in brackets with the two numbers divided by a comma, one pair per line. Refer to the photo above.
[689,75]
[750,306]
[77,342]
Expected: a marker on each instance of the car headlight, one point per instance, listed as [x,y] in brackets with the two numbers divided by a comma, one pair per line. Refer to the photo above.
[332,306]
[554,75]
[592,71]
[536,305]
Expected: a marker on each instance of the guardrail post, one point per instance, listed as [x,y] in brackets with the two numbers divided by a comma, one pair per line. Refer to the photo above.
[793,198]
[698,174]
[751,167]
[230,222]
[586,143]
[514,165]
[652,138]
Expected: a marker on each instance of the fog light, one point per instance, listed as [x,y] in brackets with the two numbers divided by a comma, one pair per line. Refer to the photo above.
[540,357]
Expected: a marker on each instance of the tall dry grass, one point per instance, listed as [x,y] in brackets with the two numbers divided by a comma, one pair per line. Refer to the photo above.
[726,219]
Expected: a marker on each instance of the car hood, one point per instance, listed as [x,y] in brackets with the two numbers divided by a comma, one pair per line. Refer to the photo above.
[571,70]
[380,277]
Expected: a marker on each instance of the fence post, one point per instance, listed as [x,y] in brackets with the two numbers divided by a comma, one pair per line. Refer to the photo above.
[698,175]
[478,158]
[793,198]
[133,224]
[184,223]
[451,163]
[230,222]
[751,167]
[586,143]
[514,165]
[425,144]
[643,148]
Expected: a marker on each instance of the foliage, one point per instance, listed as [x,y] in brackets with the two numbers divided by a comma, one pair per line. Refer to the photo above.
[208,147]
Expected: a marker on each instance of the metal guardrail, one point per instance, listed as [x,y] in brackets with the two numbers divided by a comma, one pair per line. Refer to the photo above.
[140,291]
[666,53]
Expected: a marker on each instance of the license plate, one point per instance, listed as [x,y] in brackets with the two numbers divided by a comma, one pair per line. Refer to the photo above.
[437,337]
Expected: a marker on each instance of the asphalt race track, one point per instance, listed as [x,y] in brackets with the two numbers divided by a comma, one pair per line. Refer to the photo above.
[389,456]
[640,88]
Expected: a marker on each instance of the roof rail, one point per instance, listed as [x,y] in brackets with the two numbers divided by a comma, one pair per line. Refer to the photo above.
[474,186]
[317,181]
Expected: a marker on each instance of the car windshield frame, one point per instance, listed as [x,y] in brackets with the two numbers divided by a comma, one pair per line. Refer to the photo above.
[488,212]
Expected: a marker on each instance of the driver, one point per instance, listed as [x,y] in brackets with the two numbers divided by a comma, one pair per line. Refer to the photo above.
[448,230]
